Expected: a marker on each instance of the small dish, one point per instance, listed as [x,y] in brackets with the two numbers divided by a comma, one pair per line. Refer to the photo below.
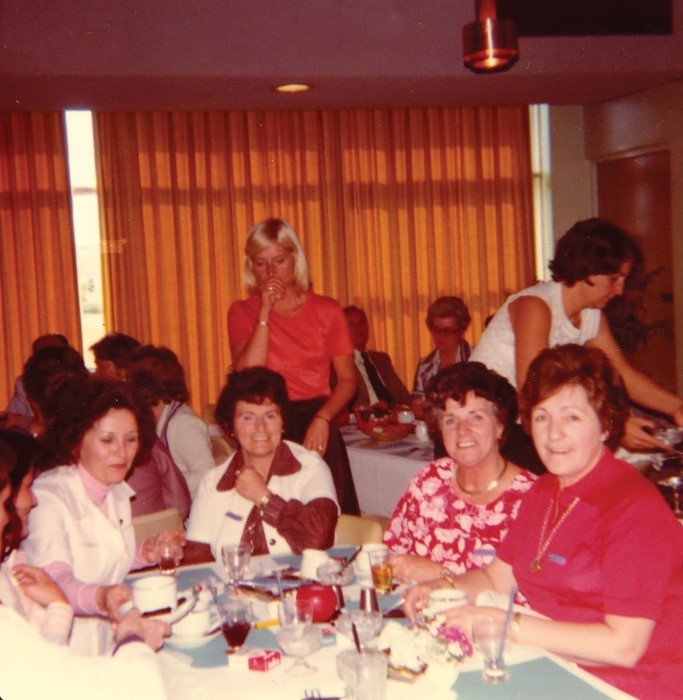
[192,642]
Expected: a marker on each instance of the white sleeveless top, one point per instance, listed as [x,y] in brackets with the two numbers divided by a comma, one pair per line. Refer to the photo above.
[496,347]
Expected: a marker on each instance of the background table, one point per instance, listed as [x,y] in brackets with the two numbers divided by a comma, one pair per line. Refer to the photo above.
[382,470]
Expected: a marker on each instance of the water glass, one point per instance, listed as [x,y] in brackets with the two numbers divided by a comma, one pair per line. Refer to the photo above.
[297,635]
[236,616]
[489,638]
[381,570]
[168,552]
[235,559]
[364,674]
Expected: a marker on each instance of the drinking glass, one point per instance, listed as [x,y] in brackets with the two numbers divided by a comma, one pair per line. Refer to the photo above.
[488,636]
[236,618]
[168,552]
[364,674]
[235,561]
[297,635]
[381,570]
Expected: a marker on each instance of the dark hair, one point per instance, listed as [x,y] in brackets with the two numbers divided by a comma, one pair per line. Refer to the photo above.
[46,367]
[17,454]
[456,381]
[449,307]
[50,340]
[352,309]
[114,347]
[592,247]
[6,458]
[80,403]
[254,385]
[157,375]
[578,365]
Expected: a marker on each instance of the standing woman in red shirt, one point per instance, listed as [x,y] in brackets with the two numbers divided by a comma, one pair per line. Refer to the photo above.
[285,326]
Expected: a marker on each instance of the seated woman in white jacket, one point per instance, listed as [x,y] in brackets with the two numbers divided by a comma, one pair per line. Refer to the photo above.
[34,665]
[272,494]
[158,377]
[80,531]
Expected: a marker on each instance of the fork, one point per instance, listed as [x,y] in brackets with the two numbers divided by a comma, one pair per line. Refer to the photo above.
[311,694]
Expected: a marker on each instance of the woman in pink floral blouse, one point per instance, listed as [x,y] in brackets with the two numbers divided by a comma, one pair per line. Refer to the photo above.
[458,509]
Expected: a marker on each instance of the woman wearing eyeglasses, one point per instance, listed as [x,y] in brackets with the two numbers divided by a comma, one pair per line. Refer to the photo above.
[447,319]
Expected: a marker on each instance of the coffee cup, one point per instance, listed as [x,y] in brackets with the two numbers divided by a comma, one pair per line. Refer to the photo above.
[445,599]
[311,559]
[155,593]
[200,620]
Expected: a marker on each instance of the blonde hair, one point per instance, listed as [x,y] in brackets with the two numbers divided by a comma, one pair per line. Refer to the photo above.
[275,232]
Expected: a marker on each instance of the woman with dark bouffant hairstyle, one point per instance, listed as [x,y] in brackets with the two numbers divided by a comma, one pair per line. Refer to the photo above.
[458,509]
[595,549]
[272,494]
[81,532]
[591,264]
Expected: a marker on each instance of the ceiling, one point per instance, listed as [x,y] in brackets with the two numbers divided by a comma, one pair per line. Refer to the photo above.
[225,54]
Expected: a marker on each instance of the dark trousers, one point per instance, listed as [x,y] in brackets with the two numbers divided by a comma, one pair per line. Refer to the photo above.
[299,418]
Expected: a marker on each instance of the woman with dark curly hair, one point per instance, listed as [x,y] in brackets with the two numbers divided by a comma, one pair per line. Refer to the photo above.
[595,549]
[80,531]
[592,261]
[272,494]
[458,509]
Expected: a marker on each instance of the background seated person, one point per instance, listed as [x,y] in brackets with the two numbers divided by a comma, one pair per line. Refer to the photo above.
[111,353]
[447,319]
[81,531]
[157,376]
[376,377]
[595,547]
[273,494]
[458,509]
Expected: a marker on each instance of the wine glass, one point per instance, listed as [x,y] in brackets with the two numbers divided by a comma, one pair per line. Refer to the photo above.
[235,559]
[297,635]
[235,622]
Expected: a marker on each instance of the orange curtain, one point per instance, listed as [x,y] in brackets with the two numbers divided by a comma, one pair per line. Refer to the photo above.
[394,208]
[38,287]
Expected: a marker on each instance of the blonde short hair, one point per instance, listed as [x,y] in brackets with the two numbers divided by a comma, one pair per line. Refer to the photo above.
[275,232]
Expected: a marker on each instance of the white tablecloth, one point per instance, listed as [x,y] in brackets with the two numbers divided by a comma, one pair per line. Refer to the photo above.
[382,470]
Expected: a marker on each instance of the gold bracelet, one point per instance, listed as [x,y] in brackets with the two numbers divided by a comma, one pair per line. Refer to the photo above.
[262,323]
[515,626]
[448,576]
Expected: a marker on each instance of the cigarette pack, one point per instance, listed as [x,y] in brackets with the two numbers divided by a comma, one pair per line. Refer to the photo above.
[264,659]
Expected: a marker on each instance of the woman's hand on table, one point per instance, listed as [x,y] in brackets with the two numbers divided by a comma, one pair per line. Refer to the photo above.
[151,632]
[416,597]
[465,616]
[38,585]
[318,435]
[409,568]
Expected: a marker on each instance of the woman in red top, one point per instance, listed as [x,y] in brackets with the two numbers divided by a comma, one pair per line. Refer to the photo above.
[595,548]
[286,327]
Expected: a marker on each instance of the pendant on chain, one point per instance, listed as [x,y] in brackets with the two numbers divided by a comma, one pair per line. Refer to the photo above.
[535,566]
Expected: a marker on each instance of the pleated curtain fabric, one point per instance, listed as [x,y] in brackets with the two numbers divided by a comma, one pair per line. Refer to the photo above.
[38,285]
[394,208]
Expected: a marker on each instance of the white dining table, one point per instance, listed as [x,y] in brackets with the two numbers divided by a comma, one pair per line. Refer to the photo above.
[382,470]
[206,673]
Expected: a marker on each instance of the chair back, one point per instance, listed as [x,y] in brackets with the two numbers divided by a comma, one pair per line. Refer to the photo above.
[150,524]
[356,530]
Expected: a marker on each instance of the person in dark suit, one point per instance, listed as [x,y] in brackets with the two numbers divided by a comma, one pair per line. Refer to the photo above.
[377,379]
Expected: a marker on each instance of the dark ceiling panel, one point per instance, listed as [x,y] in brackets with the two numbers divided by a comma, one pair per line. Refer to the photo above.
[588,17]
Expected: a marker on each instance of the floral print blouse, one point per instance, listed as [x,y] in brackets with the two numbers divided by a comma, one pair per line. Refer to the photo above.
[431,521]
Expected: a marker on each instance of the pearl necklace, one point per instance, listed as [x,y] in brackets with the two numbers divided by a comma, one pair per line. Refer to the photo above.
[489,487]
[544,543]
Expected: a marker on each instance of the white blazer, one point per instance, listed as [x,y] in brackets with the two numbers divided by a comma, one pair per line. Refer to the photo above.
[67,526]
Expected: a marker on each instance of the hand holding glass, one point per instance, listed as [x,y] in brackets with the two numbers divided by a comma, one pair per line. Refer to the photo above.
[169,552]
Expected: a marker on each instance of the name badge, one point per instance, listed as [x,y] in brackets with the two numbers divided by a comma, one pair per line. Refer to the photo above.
[234,516]
[557,559]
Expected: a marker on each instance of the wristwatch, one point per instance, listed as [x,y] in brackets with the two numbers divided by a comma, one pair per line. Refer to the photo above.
[264,501]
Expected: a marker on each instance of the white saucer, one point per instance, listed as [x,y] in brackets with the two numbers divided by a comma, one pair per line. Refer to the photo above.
[191,642]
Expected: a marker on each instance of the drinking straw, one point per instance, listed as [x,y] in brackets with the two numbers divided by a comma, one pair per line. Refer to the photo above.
[281,592]
[213,587]
[350,560]
[356,638]
[508,618]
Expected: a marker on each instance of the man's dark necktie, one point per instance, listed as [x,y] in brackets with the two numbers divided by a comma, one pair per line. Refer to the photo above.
[383,394]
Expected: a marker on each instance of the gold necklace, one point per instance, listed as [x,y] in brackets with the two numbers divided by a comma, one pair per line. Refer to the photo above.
[489,487]
[544,543]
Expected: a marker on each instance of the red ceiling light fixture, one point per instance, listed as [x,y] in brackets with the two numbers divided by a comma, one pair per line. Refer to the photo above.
[489,43]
